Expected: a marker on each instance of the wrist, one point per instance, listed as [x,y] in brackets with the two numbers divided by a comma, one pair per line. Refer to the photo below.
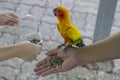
[20,49]
[1,18]
[79,54]
[16,50]
[84,55]
[7,52]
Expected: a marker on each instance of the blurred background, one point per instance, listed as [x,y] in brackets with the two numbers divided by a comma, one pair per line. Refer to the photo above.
[83,14]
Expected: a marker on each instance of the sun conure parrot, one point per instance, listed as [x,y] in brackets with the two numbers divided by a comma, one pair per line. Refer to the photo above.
[67,29]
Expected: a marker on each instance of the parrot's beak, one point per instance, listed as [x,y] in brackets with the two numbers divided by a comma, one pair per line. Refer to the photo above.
[54,11]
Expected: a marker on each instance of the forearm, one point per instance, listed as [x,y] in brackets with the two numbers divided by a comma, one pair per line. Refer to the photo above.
[8,52]
[1,18]
[101,51]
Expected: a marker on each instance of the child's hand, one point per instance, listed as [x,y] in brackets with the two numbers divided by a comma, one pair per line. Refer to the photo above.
[28,51]
[9,18]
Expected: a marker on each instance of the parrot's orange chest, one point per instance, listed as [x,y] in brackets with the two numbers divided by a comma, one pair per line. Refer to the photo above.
[63,30]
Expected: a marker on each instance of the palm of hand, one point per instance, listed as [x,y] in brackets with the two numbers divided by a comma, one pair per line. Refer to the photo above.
[69,61]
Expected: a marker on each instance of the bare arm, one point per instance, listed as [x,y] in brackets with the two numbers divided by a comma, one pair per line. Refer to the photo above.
[25,50]
[107,49]
[7,52]
[101,51]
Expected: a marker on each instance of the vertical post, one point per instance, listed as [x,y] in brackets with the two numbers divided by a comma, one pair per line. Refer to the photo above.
[104,19]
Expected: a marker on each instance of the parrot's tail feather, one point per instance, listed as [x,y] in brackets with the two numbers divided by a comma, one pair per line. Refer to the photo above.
[81,44]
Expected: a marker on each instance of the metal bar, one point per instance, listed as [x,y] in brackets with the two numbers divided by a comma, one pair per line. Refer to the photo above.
[104,21]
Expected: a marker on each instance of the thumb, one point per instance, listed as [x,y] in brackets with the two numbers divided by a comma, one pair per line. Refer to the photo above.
[38,48]
[51,52]
[13,19]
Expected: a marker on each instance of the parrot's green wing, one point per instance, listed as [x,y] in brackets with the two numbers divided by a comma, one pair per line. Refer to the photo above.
[74,36]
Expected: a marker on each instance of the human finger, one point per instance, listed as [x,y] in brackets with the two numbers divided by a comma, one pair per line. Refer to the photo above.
[38,48]
[42,62]
[10,23]
[48,72]
[40,71]
[13,19]
[43,66]
[13,14]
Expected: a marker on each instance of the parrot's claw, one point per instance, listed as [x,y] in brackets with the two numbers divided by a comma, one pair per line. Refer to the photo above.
[60,46]
[66,48]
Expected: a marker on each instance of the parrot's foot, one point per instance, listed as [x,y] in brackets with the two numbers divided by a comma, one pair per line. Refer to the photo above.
[60,46]
[66,48]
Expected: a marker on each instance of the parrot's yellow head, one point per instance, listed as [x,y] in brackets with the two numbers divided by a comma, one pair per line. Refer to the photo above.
[61,12]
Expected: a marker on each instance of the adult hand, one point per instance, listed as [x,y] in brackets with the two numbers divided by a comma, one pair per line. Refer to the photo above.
[70,61]
[9,18]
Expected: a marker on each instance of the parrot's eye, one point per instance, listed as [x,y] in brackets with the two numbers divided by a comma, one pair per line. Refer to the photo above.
[59,12]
